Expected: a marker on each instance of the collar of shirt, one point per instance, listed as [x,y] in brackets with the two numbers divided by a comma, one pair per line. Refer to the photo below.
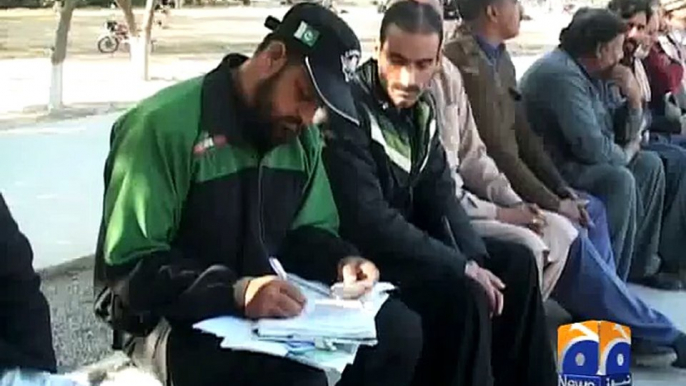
[223,109]
[493,52]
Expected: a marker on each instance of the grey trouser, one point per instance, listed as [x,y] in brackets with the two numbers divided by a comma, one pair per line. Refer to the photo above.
[634,198]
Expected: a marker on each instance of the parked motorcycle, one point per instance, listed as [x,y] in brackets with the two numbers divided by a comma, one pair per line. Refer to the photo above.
[115,34]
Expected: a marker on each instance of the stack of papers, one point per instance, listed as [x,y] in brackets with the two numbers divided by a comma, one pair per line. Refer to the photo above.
[326,335]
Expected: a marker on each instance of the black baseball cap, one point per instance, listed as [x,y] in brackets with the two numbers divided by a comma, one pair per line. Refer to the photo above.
[330,49]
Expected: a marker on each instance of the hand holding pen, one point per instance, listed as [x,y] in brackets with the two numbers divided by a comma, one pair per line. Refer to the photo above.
[273,296]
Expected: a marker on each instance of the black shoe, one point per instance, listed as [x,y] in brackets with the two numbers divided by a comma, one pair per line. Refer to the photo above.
[646,354]
[663,281]
[680,349]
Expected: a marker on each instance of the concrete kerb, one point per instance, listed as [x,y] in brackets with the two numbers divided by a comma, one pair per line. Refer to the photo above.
[65,269]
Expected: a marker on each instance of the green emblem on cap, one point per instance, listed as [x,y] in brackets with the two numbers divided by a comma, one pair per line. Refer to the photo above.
[306,34]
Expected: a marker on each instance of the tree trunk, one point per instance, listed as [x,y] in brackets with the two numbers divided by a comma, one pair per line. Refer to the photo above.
[59,53]
[127,9]
[140,50]
[139,40]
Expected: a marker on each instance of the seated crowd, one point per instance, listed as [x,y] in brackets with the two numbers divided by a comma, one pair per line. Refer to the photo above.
[428,165]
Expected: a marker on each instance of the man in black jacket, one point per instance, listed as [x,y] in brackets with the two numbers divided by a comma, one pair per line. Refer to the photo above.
[397,203]
[25,335]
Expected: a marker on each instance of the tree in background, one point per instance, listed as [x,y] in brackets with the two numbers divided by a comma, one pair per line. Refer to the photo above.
[59,54]
[139,39]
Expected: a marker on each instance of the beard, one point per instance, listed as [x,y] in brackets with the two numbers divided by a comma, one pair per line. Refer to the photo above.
[630,48]
[641,52]
[268,130]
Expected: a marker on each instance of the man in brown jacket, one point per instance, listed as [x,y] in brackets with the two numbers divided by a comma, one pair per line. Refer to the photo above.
[491,85]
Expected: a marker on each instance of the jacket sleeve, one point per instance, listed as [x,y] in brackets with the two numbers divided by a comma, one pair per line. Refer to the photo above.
[574,112]
[534,154]
[25,334]
[480,173]
[435,196]
[498,142]
[312,248]
[148,175]
[367,219]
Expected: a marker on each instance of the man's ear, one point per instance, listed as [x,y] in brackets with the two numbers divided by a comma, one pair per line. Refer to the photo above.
[274,57]
[491,12]
[377,50]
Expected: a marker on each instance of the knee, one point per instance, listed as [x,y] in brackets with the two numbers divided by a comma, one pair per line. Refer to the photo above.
[596,209]
[621,181]
[524,263]
[516,267]
[559,224]
[649,164]
[399,330]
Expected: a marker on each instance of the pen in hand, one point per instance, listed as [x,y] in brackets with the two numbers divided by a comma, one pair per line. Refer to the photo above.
[278,268]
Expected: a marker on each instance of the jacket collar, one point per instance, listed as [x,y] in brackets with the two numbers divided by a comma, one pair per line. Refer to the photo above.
[492,52]
[368,79]
[464,47]
[420,119]
[223,112]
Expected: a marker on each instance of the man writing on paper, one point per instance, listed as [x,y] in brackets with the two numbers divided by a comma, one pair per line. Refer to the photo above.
[208,179]
[397,204]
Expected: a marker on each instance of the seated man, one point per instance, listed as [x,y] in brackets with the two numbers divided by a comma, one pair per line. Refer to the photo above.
[209,178]
[610,298]
[577,122]
[670,46]
[486,194]
[397,203]
[26,352]
[477,48]
[638,15]
[665,72]
[565,107]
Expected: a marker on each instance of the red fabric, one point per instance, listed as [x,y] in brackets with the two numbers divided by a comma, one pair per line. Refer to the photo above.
[664,74]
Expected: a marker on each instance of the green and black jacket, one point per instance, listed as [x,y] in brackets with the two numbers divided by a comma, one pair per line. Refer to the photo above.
[190,207]
[392,183]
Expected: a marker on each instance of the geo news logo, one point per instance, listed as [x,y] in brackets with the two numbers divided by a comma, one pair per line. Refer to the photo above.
[593,353]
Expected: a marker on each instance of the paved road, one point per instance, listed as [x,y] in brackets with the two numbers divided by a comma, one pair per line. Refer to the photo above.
[51,178]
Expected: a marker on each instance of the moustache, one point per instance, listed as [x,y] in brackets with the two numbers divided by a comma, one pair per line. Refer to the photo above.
[406,89]
[630,46]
